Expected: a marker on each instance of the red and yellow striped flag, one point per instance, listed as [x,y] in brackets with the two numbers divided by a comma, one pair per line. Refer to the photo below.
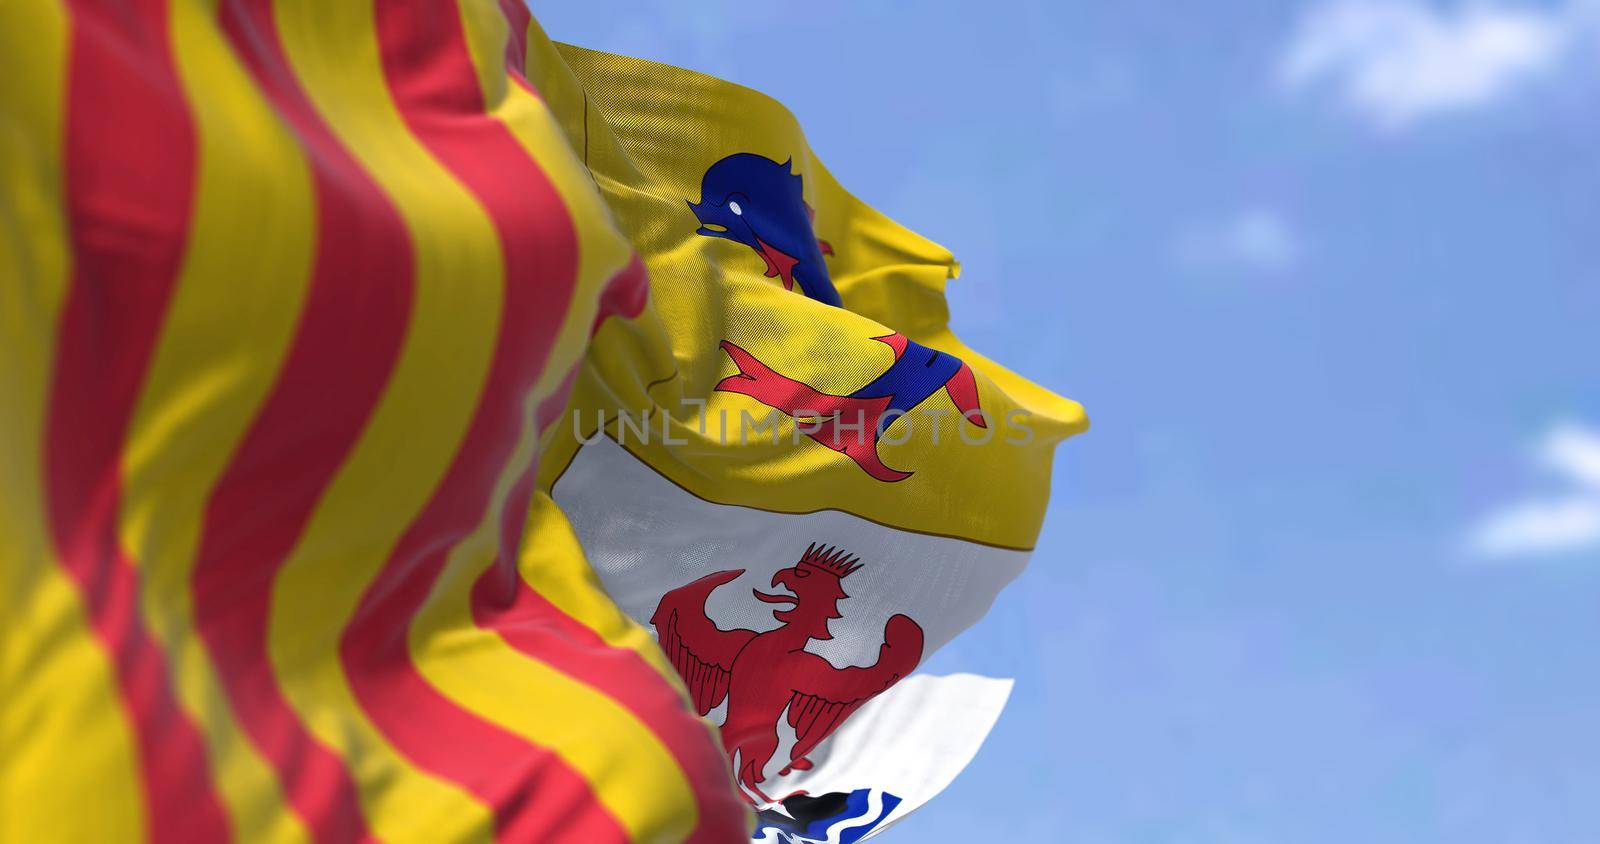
[288,290]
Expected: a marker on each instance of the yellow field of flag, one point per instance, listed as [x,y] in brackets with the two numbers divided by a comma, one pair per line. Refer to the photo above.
[787,464]
[307,313]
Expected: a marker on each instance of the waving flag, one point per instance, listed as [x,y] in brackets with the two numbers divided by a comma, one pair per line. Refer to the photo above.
[286,292]
[787,465]
[332,330]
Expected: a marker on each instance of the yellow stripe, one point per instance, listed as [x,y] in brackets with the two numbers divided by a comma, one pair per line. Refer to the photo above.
[231,319]
[631,772]
[602,250]
[647,791]
[412,435]
[62,724]
[566,580]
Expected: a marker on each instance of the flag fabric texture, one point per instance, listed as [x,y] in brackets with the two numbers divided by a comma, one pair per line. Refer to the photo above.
[787,465]
[307,314]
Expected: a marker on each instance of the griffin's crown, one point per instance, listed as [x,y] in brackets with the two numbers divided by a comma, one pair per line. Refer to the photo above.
[829,559]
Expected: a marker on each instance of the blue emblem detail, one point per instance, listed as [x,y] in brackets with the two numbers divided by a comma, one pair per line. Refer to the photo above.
[834,818]
[753,200]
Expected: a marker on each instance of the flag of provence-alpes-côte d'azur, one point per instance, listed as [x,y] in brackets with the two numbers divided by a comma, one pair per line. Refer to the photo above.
[414,430]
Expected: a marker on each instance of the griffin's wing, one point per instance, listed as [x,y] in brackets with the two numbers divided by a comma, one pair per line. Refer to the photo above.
[701,652]
[814,718]
[823,699]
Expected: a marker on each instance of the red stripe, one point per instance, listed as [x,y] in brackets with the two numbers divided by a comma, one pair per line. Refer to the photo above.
[502,602]
[534,794]
[625,295]
[527,621]
[518,18]
[350,333]
[130,169]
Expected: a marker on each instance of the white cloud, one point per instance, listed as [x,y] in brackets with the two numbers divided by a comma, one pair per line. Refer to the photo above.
[1566,522]
[1541,527]
[1257,239]
[1398,61]
[1574,451]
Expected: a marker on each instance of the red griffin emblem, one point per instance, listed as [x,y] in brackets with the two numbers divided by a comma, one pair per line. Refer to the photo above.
[764,676]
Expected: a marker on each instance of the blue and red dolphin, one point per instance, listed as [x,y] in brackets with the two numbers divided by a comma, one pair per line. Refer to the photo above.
[758,202]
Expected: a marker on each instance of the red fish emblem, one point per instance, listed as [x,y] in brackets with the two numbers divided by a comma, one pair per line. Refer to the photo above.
[852,424]
[768,676]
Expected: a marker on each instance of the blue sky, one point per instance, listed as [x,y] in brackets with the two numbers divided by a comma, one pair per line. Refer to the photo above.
[1326,276]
